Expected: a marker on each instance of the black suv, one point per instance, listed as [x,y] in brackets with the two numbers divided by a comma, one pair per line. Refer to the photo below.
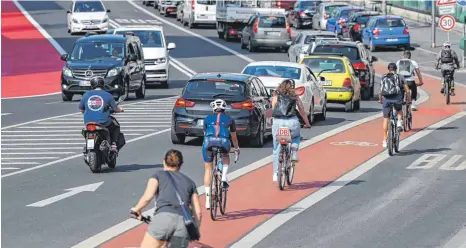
[248,102]
[360,59]
[117,58]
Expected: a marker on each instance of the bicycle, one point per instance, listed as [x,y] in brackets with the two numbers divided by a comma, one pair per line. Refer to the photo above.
[285,166]
[393,139]
[407,117]
[218,194]
[447,85]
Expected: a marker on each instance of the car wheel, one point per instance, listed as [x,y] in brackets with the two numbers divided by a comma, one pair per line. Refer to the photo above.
[191,24]
[125,94]
[310,117]
[164,84]
[366,93]
[323,116]
[66,97]
[357,104]
[177,139]
[225,35]
[349,106]
[243,46]
[141,92]
[258,140]
[251,47]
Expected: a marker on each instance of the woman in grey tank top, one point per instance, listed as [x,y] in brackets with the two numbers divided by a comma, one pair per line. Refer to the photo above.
[284,102]
[167,226]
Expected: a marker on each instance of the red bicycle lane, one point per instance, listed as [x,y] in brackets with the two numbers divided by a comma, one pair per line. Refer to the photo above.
[253,198]
[30,64]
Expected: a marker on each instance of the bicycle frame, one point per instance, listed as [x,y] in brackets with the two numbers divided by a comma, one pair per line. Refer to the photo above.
[393,134]
[286,167]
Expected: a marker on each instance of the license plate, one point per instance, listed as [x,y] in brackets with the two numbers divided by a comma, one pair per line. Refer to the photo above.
[90,27]
[90,143]
[306,23]
[273,33]
[203,17]
[200,123]
[392,40]
[326,83]
[85,83]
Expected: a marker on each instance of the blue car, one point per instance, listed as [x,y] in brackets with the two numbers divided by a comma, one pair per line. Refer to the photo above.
[386,31]
[339,17]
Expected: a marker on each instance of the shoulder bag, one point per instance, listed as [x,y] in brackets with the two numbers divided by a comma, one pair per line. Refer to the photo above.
[193,230]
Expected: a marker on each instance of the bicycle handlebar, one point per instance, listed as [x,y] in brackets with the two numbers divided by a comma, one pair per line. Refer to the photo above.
[236,156]
[145,219]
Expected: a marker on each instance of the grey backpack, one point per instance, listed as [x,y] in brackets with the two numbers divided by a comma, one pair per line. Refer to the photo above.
[390,85]
[406,68]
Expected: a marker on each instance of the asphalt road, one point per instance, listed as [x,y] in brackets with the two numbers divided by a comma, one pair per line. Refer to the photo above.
[76,218]
[403,202]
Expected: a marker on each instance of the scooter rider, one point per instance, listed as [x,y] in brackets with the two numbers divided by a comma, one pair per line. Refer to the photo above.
[447,60]
[96,104]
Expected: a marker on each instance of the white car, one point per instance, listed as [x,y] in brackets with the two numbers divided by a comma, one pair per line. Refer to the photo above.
[308,88]
[300,46]
[84,16]
[155,50]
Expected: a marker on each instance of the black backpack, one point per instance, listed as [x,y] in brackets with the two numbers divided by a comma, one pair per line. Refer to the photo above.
[446,56]
[390,85]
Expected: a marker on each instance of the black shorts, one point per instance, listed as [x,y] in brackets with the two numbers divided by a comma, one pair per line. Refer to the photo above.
[398,104]
[413,88]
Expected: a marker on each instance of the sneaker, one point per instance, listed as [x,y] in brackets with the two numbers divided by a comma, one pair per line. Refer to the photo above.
[294,156]
[275,177]
[225,184]
[442,90]
[207,201]
[452,92]
[114,147]
[384,144]
[399,125]
[413,106]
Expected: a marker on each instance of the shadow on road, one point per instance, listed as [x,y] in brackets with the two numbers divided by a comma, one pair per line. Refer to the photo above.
[330,121]
[319,184]
[132,167]
[429,128]
[416,151]
[241,214]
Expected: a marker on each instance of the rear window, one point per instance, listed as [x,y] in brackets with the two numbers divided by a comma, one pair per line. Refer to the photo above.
[210,89]
[272,22]
[310,5]
[390,23]
[350,52]
[319,64]
[206,2]
[362,19]
[274,71]
[311,38]
[329,9]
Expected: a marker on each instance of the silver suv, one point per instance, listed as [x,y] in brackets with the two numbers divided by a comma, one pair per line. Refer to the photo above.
[266,31]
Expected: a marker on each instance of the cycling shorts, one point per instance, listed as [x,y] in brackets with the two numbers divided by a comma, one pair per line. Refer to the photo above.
[386,106]
[413,88]
[209,142]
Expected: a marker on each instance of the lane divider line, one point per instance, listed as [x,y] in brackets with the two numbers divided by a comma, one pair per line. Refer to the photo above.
[130,223]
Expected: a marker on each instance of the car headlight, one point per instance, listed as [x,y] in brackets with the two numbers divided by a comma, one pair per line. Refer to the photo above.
[67,72]
[113,72]
[105,20]
[161,60]
[75,21]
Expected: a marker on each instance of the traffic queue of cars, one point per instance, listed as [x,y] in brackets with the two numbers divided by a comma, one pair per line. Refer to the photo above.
[326,67]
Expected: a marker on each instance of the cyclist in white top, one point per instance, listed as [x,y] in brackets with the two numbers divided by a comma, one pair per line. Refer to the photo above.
[408,67]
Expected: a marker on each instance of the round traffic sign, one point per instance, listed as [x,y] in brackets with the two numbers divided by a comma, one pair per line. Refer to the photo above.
[447,22]
[461,2]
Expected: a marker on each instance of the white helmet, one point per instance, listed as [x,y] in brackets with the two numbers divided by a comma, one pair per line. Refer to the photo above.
[218,104]
[447,44]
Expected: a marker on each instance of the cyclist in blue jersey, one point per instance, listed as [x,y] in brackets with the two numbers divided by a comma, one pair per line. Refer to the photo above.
[217,129]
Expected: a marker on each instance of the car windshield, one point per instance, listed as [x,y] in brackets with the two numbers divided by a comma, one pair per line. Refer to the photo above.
[214,89]
[89,6]
[390,23]
[272,22]
[206,2]
[273,71]
[348,51]
[311,5]
[330,65]
[347,13]
[98,51]
[361,19]
[148,38]
[311,38]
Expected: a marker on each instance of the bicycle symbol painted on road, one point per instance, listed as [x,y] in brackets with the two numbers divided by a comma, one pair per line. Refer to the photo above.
[352,143]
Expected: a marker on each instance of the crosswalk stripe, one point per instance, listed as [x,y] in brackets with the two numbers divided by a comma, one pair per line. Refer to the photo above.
[9,168]
[54,135]
[71,130]
[28,163]
[42,148]
[16,140]
[3,158]
[121,122]
[78,127]
[34,153]
[35,144]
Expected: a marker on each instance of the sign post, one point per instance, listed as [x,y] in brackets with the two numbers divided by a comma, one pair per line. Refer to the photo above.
[447,23]
[446,8]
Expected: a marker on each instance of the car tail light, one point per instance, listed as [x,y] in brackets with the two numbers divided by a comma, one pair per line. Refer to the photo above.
[232,32]
[363,82]
[347,83]
[248,104]
[406,31]
[279,4]
[193,4]
[359,66]
[376,32]
[357,27]
[301,13]
[288,29]
[91,128]
[180,102]
[325,16]
[341,21]
[256,26]
[300,91]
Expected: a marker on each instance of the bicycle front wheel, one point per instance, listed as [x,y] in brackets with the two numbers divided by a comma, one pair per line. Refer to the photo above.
[290,173]
[214,194]
[281,168]
[223,199]
[447,92]
[405,117]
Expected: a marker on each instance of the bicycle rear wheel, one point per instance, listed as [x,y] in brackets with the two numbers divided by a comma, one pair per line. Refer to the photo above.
[396,141]
[390,138]
[410,120]
[290,173]
[281,168]
[447,92]
[405,117]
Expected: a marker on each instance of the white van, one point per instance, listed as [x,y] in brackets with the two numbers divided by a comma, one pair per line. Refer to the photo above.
[199,12]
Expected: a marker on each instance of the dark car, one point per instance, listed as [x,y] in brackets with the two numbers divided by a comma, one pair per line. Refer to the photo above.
[248,102]
[148,3]
[301,13]
[119,59]
[357,22]
[360,59]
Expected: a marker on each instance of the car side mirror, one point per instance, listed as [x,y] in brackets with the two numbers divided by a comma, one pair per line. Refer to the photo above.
[374,59]
[322,79]
[64,57]
[108,11]
[132,57]
[68,11]
[171,46]
[289,43]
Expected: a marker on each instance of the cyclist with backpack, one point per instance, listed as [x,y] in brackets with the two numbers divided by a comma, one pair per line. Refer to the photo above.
[448,61]
[407,68]
[392,91]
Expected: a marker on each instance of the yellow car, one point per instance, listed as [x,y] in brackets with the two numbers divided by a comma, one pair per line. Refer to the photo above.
[341,83]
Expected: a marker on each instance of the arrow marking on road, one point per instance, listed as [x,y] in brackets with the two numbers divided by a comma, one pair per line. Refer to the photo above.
[72,191]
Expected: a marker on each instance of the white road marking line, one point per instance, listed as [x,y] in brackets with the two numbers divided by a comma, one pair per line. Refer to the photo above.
[34,153]
[27,163]
[77,155]
[41,144]
[32,158]
[54,135]
[168,111]
[128,224]
[20,140]
[82,127]
[425,50]
[121,122]
[9,168]
[267,227]
[58,102]
[6,114]
[457,241]
[42,148]
[70,130]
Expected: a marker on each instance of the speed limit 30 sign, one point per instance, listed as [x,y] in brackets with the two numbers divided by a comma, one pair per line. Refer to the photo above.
[447,22]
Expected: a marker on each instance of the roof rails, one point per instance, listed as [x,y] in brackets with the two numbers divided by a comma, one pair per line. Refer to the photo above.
[328,54]
[90,34]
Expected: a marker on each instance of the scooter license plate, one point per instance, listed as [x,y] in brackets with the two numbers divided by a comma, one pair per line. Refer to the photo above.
[90,143]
